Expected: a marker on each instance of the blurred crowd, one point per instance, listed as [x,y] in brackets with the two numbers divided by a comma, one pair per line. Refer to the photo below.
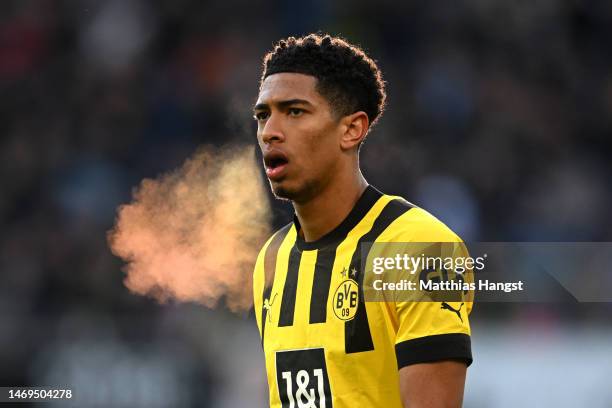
[498,122]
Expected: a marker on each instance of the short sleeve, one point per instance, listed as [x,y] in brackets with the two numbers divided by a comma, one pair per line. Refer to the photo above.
[436,327]
[436,330]
[259,283]
[432,331]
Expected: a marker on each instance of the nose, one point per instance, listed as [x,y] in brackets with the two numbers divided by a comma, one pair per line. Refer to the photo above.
[271,130]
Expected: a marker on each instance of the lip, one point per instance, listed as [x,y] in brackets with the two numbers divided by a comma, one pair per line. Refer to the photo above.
[274,170]
[276,173]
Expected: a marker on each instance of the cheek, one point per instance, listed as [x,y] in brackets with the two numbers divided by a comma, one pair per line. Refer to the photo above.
[260,142]
[317,146]
[321,138]
[320,154]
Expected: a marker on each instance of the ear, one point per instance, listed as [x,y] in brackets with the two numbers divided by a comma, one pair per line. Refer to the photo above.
[355,129]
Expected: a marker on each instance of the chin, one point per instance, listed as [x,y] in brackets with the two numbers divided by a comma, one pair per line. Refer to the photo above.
[283,193]
[293,193]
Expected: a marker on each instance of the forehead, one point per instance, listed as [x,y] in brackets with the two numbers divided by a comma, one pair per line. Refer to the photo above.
[288,85]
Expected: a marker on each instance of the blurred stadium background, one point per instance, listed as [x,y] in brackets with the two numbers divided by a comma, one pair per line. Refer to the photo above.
[499,122]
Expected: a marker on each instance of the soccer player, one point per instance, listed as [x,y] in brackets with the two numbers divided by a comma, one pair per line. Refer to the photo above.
[318,98]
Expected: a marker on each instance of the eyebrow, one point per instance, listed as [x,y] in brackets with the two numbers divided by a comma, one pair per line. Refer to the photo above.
[282,104]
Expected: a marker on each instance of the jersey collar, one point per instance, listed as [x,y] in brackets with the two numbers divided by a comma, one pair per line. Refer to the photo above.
[362,206]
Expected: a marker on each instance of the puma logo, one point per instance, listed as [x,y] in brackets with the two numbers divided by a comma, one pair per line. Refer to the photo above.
[450,308]
[268,305]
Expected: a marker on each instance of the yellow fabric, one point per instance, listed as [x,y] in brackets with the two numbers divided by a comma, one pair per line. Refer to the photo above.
[362,379]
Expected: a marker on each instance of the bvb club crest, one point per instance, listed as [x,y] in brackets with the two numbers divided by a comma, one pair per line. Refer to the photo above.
[346,297]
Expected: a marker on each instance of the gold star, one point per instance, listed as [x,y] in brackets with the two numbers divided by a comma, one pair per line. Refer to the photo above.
[354,272]
[343,272]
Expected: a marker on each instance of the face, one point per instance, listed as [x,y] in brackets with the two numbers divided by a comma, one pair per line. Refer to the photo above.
[298,135]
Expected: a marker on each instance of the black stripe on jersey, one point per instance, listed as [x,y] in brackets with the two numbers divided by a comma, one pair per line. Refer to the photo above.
[326,254]
[439,347]
[287,310]
[269,270]
[320,284]
[357,336]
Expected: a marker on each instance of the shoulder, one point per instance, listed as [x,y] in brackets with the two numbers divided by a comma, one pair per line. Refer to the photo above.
[417,225]
[273,243]
[276,238]
[266,258]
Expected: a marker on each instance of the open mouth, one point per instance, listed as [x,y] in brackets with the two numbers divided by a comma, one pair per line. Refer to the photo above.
[275,162]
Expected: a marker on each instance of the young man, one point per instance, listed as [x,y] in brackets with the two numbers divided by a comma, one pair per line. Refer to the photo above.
[318,97]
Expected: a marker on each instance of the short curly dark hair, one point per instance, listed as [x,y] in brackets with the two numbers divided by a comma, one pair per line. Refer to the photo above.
[346,76]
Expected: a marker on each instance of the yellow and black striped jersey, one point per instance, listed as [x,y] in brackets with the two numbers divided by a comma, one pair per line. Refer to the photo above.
[316,357]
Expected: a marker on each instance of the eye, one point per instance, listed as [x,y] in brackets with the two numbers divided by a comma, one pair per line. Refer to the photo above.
[263,115]
[295,112]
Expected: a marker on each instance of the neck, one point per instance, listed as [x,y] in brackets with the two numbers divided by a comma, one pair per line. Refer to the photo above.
[329,207]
